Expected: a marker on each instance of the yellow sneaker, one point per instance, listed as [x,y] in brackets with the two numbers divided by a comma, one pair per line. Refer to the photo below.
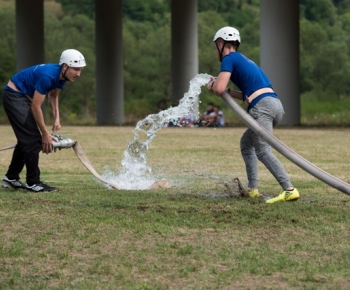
[254,193]
[285,195]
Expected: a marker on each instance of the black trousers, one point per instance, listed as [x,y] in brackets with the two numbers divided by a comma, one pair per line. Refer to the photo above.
[29,142]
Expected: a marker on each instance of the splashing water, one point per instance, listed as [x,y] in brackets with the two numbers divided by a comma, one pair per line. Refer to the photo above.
[136,174]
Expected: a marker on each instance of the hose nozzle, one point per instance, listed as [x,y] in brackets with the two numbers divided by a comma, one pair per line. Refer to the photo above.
[62,142]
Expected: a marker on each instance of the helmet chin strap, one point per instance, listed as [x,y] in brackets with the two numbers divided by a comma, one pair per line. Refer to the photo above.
[220,51]
[64,74]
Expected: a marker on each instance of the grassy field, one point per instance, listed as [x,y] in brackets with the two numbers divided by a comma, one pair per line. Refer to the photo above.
[190,236]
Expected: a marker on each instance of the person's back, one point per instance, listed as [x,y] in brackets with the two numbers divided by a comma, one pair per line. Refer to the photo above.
[248,77]
[42,77]
[246,74]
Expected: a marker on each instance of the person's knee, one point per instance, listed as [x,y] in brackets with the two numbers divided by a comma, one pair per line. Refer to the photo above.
[263,153]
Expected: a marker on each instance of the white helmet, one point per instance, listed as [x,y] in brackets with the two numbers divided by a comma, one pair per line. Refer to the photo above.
[72,58]
[228,33]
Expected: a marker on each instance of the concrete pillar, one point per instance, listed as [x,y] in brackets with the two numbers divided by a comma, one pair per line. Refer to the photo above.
[279,53]
[109,62]
[29,33]
[184,44]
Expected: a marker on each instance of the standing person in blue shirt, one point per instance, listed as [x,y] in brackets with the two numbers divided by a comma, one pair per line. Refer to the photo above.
[22,99]
[263,105]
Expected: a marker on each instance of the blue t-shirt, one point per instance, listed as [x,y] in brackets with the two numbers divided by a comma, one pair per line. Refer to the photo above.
[42,78]
[245,74]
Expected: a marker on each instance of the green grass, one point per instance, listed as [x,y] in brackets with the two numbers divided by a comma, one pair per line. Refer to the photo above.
[325,113]
[190,236]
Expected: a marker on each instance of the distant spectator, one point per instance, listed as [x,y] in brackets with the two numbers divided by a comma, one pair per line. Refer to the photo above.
[220,116]
[206,115]
[216,118]
[187,121]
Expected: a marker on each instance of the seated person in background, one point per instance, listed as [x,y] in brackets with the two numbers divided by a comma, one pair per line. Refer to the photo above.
[220,116]
[216,118]
[203,119]
[187,121]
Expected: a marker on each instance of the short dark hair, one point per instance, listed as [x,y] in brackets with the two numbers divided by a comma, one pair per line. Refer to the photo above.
[235,43]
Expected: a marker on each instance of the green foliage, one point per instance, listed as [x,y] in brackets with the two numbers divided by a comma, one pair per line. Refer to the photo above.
[77,32]
[137,10]
[220,7]
[343,6]
[318,10]
[324,48]
[324,58]
[208,61]
[140,10]
[318,109]
[147,63]
[86,7]
[7,44]
[243,15]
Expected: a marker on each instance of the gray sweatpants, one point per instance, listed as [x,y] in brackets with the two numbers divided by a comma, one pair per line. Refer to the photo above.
[268,112]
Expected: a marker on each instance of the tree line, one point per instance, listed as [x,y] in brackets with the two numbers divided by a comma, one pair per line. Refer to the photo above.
[324,48]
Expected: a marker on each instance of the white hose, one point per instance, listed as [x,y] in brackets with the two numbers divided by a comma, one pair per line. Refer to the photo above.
[284,150]
[68,143]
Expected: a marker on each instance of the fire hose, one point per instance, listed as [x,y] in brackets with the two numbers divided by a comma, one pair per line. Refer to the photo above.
[283,149]
[65,143]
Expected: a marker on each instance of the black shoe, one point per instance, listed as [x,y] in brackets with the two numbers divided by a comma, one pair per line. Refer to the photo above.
[13,183]
[40,187]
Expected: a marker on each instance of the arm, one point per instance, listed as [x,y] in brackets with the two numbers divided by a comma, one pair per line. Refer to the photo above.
[235,94]
[221,82]
[53,100]
[218,85]
[38,100]
[211,118]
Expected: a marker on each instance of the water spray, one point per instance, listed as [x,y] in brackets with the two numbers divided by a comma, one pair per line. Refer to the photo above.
[135,173]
